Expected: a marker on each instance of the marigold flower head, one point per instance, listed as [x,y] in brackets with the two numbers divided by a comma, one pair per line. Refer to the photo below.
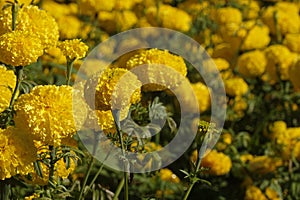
[73,49]
[272,194]
[167,175]
[252,64]
[264,164]
[217,162]
[39,24]
[17,153]
[117,21]
[163,69]
[90,7]
[224,141]
[252,9]
[278,57]
[46,112]
[169,17]
[59,10]
[116,88]
[292,42]
[254,193]
[189,93]
[221,64]
[69,26]
[227,15]
[288,22]
[19,49]
[257,38]
[7,86]
[236,86]
[106,120]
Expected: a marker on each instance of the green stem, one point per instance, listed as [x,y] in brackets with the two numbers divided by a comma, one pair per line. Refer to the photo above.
[14,11]
[52,163]
[70,63]
[119,189]
[4,190]
[90,166]
[117,124]
[19,74]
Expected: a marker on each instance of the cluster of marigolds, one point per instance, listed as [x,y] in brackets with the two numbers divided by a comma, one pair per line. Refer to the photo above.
[251,42]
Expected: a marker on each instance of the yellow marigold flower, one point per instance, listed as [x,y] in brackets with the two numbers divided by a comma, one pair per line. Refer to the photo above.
[7,86]
[227,15]
[272,194]
[246,158]
[224,141]
[69,26]
[106,120]
[19,49]
[292,42]
[90,7]
[236,86]
[117,21]
[5,21]
[252,8]
[39,24]
[202,95]
[278,57]
[252,64]
[59,10]
[264,164]
[32,197]
[46,112]
[169,17]
[257,38]
[168,175]
[116,88]
[55,55]
[217,162]
[221,64]
[17,153]
[162,68]
[126,4]
[293,74]
[73,49]
[288,22]
[254,193]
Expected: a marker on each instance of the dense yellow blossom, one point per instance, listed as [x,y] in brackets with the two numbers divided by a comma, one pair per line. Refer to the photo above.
[17,153]
[59,10]
[46,112]
[69,26]
[90,7]
[272,194]
[116,88]
[236,86]
[73,49]
[264,164]
[251,10]
[169,17]
[294,74]
[161,66]
[19,49]
[167,175]
[221,64]
[126,4]
[7,86]
[117,21]
[217,162]
[55,55]
[279,59]
[38,23]
[257,38]
[227,15]
[292,42]
[224,141]
[254,193]
[288,22]
[252,64]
